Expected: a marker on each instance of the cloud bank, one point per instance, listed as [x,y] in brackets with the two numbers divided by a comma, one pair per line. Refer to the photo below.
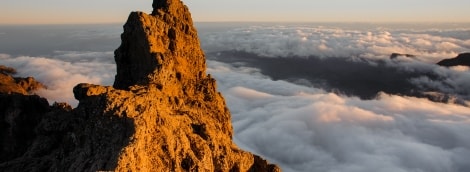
[303,128]
[361,78]
[62,72]
[284,40]
[310,130]
[299,127]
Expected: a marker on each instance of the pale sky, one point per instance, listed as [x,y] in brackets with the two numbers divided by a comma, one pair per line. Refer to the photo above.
[116,11]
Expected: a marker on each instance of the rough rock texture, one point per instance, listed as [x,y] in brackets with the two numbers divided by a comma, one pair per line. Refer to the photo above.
[16,85]
[166,92]
[461,60]
[160,48]
[162,114]
[20,116]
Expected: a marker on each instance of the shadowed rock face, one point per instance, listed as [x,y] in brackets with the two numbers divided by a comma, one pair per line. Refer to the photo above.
[461,60]
[162,114]
[19,115]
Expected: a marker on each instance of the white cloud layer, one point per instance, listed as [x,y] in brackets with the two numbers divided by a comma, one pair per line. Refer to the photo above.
[60,73]
[454,81]
[306,129]
[303,128]
[428,43]
[309,130]
[286,40]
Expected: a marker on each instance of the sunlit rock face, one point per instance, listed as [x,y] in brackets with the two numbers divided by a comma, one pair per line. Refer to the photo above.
[168,95]
[17,85]
[161,48]
[163,112]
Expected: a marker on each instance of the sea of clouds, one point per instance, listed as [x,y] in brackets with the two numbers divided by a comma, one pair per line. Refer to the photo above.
[298,126]
[306,129]
[430,43]
[61,75]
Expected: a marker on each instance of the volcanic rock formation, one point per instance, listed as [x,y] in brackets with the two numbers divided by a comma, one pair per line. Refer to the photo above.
[16,85]
[20,112]
[162,114]
[461,60]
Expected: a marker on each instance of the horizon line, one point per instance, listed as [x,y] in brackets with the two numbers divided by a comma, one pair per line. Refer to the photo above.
[293,22]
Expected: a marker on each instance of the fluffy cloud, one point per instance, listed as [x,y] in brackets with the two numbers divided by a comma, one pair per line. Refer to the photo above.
[303,128]
[453,81]
[60,74]
[335,41]
[300,127]
[362,78]
[310,130]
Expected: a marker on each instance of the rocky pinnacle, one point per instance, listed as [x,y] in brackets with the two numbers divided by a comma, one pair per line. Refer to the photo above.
[153,45]
[163,112]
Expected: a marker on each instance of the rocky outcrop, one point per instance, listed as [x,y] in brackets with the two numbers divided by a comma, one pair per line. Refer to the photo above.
[20,116]
[461,60]
[163,112]
[16,85]
[396,55]
[161,48]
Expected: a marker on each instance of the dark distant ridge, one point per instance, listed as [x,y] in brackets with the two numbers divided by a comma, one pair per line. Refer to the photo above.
[351,77]
[461,60]
[396,55]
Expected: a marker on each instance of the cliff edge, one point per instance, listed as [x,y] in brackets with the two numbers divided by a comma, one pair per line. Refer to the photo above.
[163,112]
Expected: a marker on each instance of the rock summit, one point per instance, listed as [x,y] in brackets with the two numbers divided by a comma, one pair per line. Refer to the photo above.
[163,112]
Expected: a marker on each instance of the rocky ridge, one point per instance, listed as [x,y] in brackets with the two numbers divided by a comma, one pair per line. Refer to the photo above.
[461,60]
[396,55]
[163,112]
[17,85]
[20,112]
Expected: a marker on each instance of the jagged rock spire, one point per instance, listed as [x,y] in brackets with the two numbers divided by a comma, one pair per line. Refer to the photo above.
[162,4]
[165,115]
[154,44]
[175,8]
